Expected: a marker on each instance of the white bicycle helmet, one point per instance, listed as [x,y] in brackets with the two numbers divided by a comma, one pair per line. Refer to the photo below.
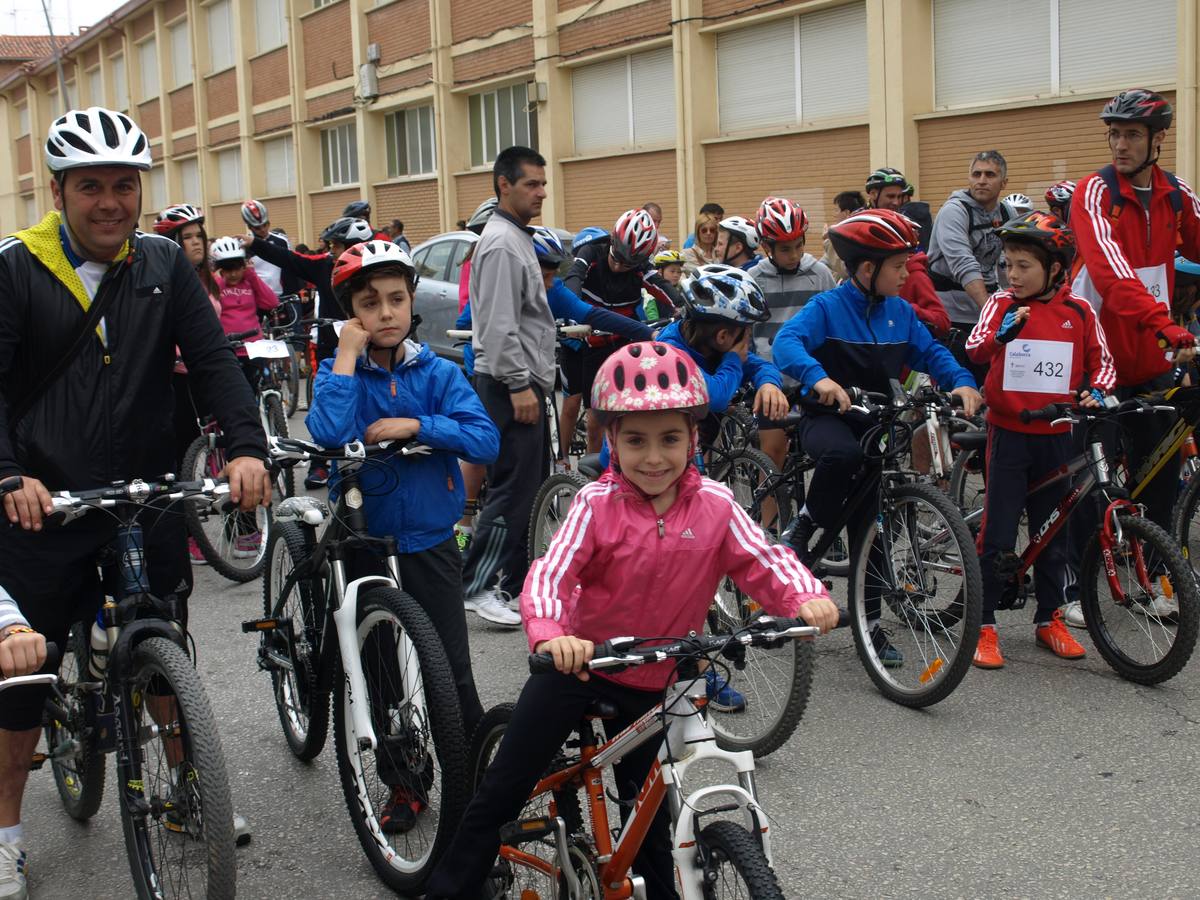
[95,137]
[348,231]
[719,292]
[483,212]
[254,213]
[743,229]
[226,248]
[1019,204]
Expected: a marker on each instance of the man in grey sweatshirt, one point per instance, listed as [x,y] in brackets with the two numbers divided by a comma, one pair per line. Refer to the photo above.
[514,371]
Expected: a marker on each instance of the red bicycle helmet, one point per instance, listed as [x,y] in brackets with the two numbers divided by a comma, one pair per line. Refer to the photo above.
[780,219]
[175,217]
[873,234]
[634,238]
[364,256]
[648,376]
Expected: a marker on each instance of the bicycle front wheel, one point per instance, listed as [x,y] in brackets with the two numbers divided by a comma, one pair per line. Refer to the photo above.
[79,774]
[407,795]
[1143,617]
[756,487]
[550,509]
[176,813]
[736,865]
[916,596]
[285,481]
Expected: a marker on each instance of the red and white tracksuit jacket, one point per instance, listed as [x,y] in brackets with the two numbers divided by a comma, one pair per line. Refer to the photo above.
[1128,268]
[1060,331]
[616,568]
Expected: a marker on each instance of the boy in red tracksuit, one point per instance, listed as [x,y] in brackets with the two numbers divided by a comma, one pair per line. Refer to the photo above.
[1044,345]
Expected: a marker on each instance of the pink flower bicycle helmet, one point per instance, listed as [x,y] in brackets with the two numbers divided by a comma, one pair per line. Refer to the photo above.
[645,377]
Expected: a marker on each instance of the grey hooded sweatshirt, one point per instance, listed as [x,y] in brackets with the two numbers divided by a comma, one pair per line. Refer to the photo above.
[786,293]
[963,247]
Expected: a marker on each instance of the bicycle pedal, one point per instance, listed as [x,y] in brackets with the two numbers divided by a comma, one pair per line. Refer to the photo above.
[37,761]
[264,625]
[524,830]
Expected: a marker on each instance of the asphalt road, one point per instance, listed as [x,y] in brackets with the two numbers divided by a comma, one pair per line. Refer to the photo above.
[1044,779]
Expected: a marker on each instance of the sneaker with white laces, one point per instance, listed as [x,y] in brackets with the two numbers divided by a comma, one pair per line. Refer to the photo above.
[1160,606]
[247,546]
[1073,614]
[491,607]
[14,866]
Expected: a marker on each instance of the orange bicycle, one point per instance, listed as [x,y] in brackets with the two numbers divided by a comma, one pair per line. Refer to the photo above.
[553,851]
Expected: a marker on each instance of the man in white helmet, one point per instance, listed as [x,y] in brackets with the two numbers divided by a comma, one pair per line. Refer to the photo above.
[83,406]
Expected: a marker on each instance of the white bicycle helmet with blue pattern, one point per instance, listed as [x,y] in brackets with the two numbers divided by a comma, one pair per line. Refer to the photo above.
[724,292]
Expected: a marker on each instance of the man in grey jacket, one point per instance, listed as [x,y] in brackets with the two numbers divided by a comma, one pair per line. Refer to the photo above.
[514,371]
[964,251]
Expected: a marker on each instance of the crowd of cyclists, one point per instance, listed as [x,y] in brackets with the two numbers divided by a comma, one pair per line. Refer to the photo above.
[113,349]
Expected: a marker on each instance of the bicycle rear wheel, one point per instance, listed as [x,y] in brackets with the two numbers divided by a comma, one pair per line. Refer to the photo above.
[292,655]
[550,509]
[967,486]
[756,487]
[233,543]
[419,766]
[79,774]
[180,844]
[1144,626]
[916,596]
[736,865]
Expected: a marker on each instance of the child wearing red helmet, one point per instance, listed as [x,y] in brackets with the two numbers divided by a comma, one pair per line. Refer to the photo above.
[596,581]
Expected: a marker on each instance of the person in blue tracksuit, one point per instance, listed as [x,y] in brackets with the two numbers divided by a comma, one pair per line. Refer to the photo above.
[382,386]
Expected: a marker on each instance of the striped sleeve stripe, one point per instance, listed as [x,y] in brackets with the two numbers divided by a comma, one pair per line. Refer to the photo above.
[1191,195]
[1108,373]
[8,243]
[985,315]
[1112,252]
[550,569]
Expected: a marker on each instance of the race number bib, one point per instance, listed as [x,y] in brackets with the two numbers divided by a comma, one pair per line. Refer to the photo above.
[1038,367]
[1153,277]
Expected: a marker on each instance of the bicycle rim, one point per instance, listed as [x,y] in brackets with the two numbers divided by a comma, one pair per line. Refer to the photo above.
[79,776]
[915,595]
[550,509]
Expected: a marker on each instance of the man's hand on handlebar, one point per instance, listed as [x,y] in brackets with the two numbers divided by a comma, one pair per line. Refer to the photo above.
[21,652]
[570,654]
[770,403]
[27,505]
[821,612]
[1181,341]
[971,399]
[830,393]
[527,409]
[249,482]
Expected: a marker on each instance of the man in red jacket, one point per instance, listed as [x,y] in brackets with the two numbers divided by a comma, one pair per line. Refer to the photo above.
[1129,218]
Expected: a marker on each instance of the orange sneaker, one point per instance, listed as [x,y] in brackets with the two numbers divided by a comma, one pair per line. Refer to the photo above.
[987,651]
[1058,640]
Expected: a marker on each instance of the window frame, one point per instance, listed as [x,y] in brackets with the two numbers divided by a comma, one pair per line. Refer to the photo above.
[477,107]
[633,141]
[339,153]
[144,91]
[423,115]
[188,75]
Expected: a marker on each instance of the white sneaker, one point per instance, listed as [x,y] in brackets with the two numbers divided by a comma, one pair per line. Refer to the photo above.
[1160,607]
[14,865]
[1073,614]
[490,606]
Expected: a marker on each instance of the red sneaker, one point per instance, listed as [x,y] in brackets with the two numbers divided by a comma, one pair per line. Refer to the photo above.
[1056,638]
[987,651]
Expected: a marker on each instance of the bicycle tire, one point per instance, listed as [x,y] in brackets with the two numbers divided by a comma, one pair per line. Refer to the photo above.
[433,732]
[967,497]
[289,385]
[939,630]
[550,507]
[304,719]
[776,682]
[79,777]
[277,427]
[217,543]
[728,842]
[209,831]
[1185,526]
[734,429]
[1103,629]
[753,478]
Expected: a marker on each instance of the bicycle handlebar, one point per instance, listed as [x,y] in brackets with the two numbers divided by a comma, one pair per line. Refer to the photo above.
[459,334]
[71,505]
[296,450]
[1057,413]
[620,653]
[242,335]
[52,661]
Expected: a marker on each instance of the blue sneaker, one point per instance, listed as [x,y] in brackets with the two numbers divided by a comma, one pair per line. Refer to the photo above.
[889,656]
[721,696]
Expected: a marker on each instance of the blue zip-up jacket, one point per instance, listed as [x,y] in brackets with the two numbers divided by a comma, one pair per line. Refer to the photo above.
[564,304]
[729,375]
[415,500]
[839,335]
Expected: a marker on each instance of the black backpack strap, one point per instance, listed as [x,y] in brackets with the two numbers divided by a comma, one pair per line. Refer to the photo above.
[1116,201]
[79,339]
[1176,195]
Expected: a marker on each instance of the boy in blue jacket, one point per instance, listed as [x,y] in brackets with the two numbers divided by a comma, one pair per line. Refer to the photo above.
[381,386]
[860,334]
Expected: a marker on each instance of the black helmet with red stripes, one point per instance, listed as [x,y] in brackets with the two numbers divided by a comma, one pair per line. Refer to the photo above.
[1139,105]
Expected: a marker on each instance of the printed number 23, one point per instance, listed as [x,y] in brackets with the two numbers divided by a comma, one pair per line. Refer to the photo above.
[1049,369]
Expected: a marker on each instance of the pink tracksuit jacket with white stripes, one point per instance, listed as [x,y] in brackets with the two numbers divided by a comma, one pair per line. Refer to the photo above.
[616,568]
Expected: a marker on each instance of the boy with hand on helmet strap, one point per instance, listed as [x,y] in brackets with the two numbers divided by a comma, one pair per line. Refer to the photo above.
[383,386]
[736,242]
[1044,345]
[596,581]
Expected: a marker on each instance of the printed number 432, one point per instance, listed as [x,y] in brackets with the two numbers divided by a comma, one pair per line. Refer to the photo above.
[1049,369]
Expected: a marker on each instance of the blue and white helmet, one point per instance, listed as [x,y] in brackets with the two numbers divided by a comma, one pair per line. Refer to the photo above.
[587,235]
[1185,266]
[549,249]
[719,292]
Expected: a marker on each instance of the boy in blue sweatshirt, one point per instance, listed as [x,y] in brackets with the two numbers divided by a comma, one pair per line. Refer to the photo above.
[381,386]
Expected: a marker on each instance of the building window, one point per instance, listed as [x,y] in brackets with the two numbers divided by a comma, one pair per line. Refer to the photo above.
[818,63]
[220,36]
[95,87]
[157,193]
[120,84]
[147,53]
[500,119]
[72,95]
[181,55]
[31,210]
[339,155]
[279,156]
[619,103]
[410,142]
[1051,48]
[270,24]
[229,174]
[189,182]
[317,4]
[22,119]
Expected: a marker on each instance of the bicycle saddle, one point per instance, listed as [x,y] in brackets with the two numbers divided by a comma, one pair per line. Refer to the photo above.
[590,466]
[600,709]
[970,440]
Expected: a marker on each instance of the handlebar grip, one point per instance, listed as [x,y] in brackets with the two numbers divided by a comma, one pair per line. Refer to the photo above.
[53,656]
[10,484]
[1050,411]
[242,335]
[541,664]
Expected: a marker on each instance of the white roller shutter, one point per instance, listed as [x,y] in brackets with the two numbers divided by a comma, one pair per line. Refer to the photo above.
[985,51]
[1111,44]
[756,76]
[833,63]
[653,78]
[189,181]
[600,96]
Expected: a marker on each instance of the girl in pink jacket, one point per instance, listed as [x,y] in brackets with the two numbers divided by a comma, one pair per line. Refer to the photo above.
[641,553]
[243,296]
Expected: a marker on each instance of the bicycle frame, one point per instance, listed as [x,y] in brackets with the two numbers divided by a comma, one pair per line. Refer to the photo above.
[1172,442]
[689,739]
